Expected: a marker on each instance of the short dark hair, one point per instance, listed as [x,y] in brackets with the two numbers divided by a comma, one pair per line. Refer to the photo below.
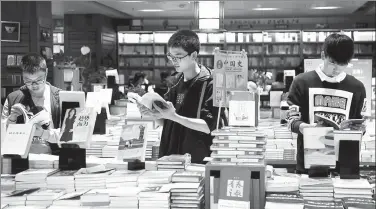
[32,63]
[339,47]
[186,39]
[279,77]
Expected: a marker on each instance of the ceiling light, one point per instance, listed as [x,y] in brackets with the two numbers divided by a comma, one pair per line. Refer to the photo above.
[151,10]
[265,9]
[325,7]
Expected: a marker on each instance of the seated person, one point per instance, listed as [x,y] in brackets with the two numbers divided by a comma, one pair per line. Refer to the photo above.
[37,94]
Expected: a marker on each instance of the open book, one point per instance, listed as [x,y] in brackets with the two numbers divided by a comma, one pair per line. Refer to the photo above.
[147,100]
[329,122]
[36,115]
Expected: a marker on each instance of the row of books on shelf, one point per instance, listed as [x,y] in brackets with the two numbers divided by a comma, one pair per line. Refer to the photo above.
[58,38]
[12,79]
[244,37]
[14,60]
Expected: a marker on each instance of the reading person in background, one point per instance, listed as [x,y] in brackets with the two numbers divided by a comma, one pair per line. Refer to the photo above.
[136,84]
[189,113]
[36,92]
[338,50]
[278,84]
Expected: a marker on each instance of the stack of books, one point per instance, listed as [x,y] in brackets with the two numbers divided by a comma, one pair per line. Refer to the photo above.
[187,190]
[316,189]
[355,188]
[124,197]
[155,150]
[320,204]
[152,138]
[358,203]
[17,197]
[173,162]
[284,201]
[95,198]
[62,180]
[122,178]
[6,165]
[44,197]
[238,146]
[154,197]
[43,161]
[71,199]
[288,184]
[33,178]
[154,178]
[95,180]
[96,145]
[111,149]
[8,183]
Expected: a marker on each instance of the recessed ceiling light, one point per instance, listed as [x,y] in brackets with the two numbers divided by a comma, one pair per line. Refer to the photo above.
[265,9]
[325,7]
[151,10]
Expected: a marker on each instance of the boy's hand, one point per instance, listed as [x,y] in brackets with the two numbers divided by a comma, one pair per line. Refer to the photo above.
[302,126]
[147,112]
[168,112]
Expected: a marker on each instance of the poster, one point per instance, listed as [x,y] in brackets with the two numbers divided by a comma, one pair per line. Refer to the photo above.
[361,69]
[230,74]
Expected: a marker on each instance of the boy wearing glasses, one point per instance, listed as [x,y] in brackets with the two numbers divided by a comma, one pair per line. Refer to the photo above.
[189,117]
[36,94]
[326,92]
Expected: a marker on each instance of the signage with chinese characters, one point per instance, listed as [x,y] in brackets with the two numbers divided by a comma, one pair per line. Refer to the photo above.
[230,74]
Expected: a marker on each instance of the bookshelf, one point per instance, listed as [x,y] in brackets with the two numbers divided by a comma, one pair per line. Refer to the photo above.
[58,42]
[270,51]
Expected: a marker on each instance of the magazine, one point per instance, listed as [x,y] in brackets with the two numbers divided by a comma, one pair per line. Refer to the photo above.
[329,122]
[78,127]
[330,105]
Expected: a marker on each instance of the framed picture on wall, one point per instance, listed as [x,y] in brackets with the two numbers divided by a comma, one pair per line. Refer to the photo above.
[10,31]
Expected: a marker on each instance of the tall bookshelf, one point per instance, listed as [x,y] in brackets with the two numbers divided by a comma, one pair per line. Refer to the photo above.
[269,51]
[58,42]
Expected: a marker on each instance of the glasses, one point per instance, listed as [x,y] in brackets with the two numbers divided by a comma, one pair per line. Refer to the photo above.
[337,65]
[176,59]
[37,82]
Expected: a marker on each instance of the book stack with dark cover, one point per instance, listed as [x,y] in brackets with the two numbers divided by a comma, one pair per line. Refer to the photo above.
[238,146]
[188,191]
[173,162]
[316,189]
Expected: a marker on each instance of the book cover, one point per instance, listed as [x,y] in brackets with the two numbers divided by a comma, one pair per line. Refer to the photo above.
[78,127]
[11,60]
[319,147]
[133,142]
[242,110]
[235,188]
[18,139]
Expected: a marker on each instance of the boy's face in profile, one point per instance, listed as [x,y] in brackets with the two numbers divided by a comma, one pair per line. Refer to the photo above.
[181,59]
[331,68]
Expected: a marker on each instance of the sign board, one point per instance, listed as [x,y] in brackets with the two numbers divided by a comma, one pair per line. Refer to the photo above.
[361,69]
[230,74]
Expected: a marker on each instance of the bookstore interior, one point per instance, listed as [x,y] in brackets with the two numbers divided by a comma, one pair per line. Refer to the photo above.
[188,104]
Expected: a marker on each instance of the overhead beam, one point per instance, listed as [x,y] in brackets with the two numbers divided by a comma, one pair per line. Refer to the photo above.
[115,11]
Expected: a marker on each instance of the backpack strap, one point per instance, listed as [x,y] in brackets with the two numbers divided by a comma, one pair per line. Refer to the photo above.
[201,99]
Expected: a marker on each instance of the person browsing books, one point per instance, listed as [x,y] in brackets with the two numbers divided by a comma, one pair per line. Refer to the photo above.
[36,92]
[327,92]
[189,113]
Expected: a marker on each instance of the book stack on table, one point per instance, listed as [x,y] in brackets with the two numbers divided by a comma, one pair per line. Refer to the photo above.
[316,189]
[173,162]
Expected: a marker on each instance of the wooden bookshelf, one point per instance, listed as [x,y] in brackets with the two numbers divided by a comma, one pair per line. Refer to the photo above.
[271,51]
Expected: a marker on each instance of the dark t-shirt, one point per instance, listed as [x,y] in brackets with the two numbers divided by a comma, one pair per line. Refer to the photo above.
[185,96]
[299,95]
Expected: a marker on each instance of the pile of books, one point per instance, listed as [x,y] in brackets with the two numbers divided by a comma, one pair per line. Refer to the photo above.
[43,161]
[238,146]
[6,165]
[173,162]
[17,197]
[316,189]
[95,198]
[152,138]
[44,197]
[187,190]
[91,180]
[288,184]
[111,149]
[33,178]
[124,197]
[355,188]
[71,199]
[154,197]
[8,183]
[62,180]
[122,178]
[284,201]
[319,204]
[358,203]
[97,144]
[154,178]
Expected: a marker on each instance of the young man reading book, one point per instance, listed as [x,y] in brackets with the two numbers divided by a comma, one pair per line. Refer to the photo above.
[189,115]
[326,92]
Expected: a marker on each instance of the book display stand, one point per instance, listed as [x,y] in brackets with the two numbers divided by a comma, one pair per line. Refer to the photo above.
[256,180]
[349,163]
[136,165]
[318,171]
[71,157]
